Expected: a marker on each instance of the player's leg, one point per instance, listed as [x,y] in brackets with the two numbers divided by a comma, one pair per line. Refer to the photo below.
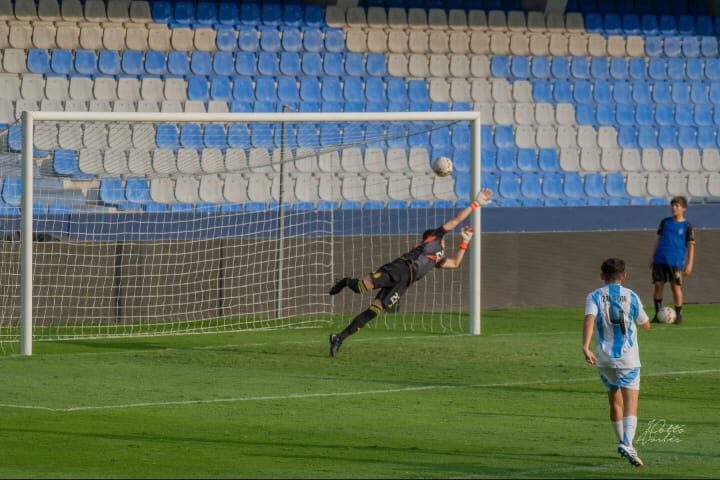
[615,400]
[357,285]
[676,286]
[629,382]
[658,279]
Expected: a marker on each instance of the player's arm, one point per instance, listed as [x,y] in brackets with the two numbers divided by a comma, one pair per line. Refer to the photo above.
[456,260]
[481,199]
[588,327]
[690,239]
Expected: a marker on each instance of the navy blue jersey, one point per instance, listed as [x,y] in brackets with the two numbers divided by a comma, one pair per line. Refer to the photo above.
[427,255]
[672,245]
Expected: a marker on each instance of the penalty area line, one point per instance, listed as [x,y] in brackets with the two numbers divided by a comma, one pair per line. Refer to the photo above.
[300,396]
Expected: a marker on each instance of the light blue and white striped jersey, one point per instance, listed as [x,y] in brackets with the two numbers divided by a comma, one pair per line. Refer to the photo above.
[618,311]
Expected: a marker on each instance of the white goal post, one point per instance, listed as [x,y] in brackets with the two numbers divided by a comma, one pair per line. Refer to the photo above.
[30,120]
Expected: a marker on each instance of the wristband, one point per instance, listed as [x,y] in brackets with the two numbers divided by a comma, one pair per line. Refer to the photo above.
[463,245]
[475,204]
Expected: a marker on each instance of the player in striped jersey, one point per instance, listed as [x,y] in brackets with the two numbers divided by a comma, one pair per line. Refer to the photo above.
[617,311]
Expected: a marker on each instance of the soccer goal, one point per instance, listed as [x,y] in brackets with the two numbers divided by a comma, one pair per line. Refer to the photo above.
[144,224]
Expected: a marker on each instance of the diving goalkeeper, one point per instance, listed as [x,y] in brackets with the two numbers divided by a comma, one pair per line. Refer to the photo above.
[394,278]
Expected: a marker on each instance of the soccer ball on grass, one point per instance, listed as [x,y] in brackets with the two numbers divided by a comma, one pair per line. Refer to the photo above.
[666,315]
[442,166]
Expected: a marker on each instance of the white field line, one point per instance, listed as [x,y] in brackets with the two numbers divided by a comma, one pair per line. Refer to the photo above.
[293,396]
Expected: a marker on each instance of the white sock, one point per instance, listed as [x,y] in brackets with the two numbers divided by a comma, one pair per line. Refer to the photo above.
[618,428]
[629,426]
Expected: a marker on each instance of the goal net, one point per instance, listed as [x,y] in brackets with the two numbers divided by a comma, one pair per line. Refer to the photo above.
[166,224]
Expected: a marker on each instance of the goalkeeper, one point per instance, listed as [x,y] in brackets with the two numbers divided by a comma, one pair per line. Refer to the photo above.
[394,278]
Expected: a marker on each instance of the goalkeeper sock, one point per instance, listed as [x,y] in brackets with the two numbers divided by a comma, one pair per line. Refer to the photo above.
[629,426]
[359,322]
[618,429]
[658,304]
[357,285]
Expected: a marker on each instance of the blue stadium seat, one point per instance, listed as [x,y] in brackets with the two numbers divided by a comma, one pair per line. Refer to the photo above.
[599,68]
[672,46]
[641,92]
[226,37]
[155,63]
[241,107]
[292,15]
[637,69]
[166,136]
[85,62]
[184,12]
[178,63]
[579,68]
[290,63]
[238,136]
[331,90]
[191,136]
[271,13]
[488,159]
[312,64]
[594,185]
[265,89]
[418,91]
[605,114]
[627,137]
[582,92]
[612,24]
[221,89]
[334,40]
[355,64]
[680,92]
[314,15]
[699,92]
[548,160]
[657,68]
[618,68]
[397,90]
[245,63]
[527,160]
[552,185]
[504,136]
[630,24]
[712,69]
[531,185]
[313,40]
[109,62]
[690,47]
[647,137]
[706,137]
[214,136]
[333,64]
[243,90]
[38,61]
[310,89]
[248,39]
[704,26]
[654,46]
[695,69]
[198,88]
[249,14]
[500,66]
[460,135]
[507,159]
[268,64]
[661,92]
[270,40]
[573,186]
[207,13]
[329,135]
[353,90]
[509,186]
[593,22]
[664,115]
[560,68]
[562,91]
[262,135]
[602,92]
[375,90]
[684,115]
[686,25]
[111,190]
[703,115]
[228,13]
[488,180]
[287,89]
[709,46]
[649,24]
[542,91]
[137,190]
[668,25]
[376,65]
[667,137]
[615,185]
[161,11]
[291,40]
[540,67]
[687,137]
[585,113]
[223,64]
[520,67]
[625,114]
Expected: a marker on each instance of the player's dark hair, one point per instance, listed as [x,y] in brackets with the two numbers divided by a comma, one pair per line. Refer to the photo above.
[680,200]
[612,268]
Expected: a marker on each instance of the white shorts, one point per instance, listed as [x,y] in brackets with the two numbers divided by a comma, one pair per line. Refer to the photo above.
[614,378]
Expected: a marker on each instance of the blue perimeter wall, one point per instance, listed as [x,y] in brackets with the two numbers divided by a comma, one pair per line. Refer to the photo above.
[199,226]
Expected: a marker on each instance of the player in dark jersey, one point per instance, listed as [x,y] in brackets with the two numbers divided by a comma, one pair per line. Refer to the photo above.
[394,278]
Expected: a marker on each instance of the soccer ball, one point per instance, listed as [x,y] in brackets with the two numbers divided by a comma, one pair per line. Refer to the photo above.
[442,166]
[666,315]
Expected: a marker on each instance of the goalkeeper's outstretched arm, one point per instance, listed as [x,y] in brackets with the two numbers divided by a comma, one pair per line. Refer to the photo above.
[481,199]
[456,260]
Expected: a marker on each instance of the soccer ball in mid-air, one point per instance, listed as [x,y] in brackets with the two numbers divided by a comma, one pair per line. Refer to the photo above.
[666,315]
[442,166]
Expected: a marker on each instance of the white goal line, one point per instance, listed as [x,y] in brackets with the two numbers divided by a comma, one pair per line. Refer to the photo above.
[296,396]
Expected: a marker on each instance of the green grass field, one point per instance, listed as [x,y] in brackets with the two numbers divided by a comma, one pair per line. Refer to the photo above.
[517,401]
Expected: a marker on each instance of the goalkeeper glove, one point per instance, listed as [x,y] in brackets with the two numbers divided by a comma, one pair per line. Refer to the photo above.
[466,234]
[482,198]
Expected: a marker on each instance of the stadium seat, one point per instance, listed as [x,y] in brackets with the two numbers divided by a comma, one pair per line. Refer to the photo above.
[313,40]
[248,39]
[268,64]
[178,63]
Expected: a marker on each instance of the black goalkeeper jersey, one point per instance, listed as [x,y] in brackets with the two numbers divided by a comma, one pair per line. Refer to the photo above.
[427,255]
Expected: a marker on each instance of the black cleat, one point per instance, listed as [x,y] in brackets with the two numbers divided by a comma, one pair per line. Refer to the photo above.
[655,319]
[339,285]
[335,343]
[678,319]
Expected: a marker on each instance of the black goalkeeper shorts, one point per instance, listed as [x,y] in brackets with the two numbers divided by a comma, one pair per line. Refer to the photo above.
[393,279]
[666,274]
